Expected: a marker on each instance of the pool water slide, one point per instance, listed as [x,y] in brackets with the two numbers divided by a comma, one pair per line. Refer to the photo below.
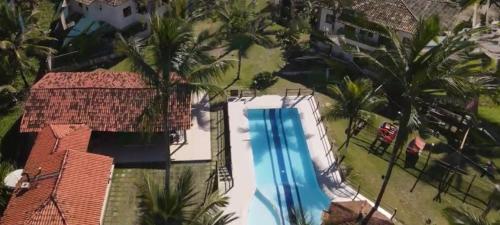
[285,178]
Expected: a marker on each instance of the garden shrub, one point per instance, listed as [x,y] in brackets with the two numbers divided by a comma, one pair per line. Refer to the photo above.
[263,80]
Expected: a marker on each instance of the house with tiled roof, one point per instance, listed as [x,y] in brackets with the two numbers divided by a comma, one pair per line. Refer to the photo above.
[111,102]
[361,25]
[61,182]
[118,13]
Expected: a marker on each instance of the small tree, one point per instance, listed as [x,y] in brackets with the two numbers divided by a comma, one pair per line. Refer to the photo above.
[180,206]
[20,40]
[353,99]
[242,27]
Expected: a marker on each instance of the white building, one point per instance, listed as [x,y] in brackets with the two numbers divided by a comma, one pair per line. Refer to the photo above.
[359,26]
[118,13]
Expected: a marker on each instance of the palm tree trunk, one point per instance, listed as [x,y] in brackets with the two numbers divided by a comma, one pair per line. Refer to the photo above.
[487,10]
[398,145]
[25,80]
[239,65]
[474,16]
[166,132]
[348,133]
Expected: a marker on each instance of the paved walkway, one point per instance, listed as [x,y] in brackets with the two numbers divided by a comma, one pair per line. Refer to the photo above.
[241,152]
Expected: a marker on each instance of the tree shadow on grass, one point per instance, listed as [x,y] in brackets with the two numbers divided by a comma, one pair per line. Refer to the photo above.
[431,176]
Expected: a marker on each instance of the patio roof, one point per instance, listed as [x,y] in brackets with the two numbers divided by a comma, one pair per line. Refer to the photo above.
[103,100]
[403,15]
[67,185]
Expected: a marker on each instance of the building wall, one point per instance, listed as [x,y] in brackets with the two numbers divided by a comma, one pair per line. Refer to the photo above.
[336,29]
[114,15]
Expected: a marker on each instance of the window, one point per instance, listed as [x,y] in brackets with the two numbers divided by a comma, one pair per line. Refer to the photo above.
[406,41]
[127,11]
[330,18]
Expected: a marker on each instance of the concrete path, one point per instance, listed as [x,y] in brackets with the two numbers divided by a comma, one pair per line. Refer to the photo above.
[241,152]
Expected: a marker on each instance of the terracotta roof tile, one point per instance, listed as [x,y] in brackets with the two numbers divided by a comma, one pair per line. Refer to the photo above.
[403,15]
[391,13]
[66,186]
[105,101]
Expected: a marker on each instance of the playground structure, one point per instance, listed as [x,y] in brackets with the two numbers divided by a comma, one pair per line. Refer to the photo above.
[386,134]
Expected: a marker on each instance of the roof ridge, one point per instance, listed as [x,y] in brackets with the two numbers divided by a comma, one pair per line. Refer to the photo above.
[63,163]
[409,10]
[59,210]
[53,195]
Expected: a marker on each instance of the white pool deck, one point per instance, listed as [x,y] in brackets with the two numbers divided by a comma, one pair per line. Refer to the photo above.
[242,160]
[198,145]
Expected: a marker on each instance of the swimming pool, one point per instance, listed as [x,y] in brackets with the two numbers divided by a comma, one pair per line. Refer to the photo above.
[286,184]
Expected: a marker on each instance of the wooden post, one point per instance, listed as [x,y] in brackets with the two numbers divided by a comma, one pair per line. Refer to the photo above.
[286,92]
[254,92]
[357,192]
[468,188]
[298,94]
[422,171]
[340,161]
[394,214]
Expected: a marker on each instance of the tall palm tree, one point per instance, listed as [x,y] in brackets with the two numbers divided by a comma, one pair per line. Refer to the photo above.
[416,72]
[353,99]
[242,27]
[180,205]
[21,40]
[173,61]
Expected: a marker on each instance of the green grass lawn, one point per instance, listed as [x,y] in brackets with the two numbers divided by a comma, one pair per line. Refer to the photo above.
[123,206]
[489,111]
[8,119]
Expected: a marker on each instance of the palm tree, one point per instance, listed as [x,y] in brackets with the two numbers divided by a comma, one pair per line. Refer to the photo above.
[464,217]
[242,27]
[180,205]
[20,40]
[172,60]
[353,99]
[416,72]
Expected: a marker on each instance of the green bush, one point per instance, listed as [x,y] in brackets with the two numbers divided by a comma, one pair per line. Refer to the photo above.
[263,80]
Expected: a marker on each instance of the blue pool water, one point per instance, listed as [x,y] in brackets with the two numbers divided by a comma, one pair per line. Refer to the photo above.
[286,184]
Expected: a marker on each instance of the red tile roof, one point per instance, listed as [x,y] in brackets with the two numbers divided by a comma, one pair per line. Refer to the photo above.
[105,101]
[67,184]
[391,13]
